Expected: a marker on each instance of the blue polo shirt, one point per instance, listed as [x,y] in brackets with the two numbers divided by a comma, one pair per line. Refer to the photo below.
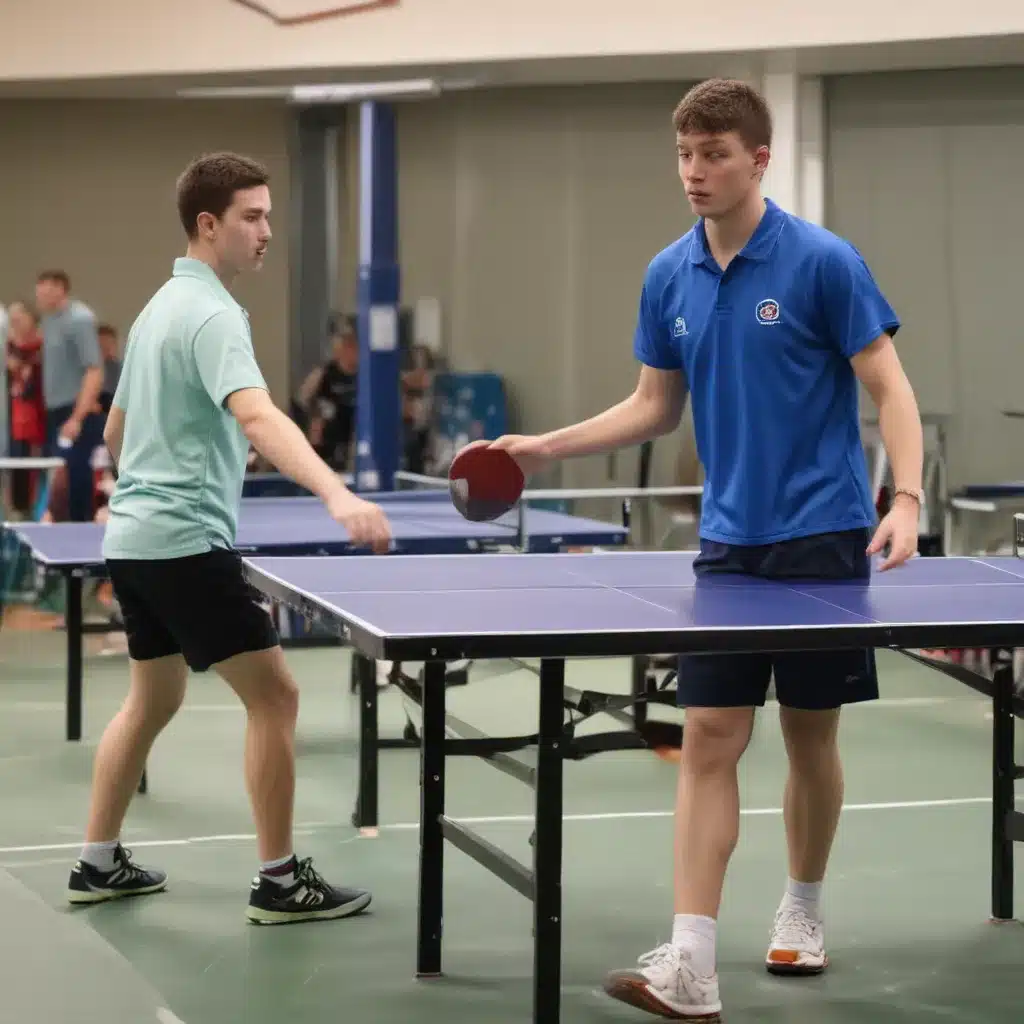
[765,348]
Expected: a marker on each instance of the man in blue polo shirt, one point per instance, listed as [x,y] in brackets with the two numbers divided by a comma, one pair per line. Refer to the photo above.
[769,322]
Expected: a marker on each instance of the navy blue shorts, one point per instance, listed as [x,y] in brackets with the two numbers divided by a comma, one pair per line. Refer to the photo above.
[810,680]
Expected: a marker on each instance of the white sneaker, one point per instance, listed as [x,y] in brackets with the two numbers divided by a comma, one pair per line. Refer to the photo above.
[666,983]
[797,944]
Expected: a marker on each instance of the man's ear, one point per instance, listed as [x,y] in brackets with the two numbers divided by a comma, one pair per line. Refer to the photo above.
[761,160]
[206,222]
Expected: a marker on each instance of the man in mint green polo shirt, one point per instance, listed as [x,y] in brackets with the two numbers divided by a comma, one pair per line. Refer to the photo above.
[190,401]
[178,485]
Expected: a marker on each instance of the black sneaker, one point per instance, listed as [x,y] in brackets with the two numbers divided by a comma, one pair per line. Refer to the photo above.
[89,884]
[311,898]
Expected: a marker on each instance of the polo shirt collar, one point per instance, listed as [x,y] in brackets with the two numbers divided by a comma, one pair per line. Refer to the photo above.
[187,266]
[761,244]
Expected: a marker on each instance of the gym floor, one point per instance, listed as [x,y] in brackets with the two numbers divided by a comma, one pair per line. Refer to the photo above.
[906,901]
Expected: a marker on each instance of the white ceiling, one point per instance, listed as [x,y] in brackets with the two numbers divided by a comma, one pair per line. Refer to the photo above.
[930,54]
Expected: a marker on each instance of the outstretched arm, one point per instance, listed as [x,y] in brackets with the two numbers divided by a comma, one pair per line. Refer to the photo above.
[280,441]
[654,408]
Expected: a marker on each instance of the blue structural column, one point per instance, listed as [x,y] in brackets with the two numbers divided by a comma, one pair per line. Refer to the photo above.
[379,417]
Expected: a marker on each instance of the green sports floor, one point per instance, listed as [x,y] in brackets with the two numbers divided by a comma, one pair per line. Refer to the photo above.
[907,899]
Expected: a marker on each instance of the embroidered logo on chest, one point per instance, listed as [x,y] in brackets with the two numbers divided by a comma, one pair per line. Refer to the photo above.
[768,312]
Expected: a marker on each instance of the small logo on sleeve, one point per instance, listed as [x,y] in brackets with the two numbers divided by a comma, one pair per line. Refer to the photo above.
[768,311]
[679,328]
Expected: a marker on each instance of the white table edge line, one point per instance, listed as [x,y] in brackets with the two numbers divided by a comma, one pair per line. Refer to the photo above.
[860,626]
[298,591]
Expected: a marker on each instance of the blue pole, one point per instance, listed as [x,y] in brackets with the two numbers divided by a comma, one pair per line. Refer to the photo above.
[378,412]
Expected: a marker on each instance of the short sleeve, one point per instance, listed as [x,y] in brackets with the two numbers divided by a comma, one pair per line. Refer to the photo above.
[120,398]
[855,310]
[87,341]
[652,345]
[224,357]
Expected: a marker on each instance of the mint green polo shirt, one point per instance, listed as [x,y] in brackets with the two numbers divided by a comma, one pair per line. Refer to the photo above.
[183,455]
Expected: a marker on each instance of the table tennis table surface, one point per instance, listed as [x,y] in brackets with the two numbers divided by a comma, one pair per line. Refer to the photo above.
[421,522]
[1003,489]
[635,602]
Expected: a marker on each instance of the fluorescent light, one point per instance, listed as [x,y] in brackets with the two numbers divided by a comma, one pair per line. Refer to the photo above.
[363,91]
[341,92]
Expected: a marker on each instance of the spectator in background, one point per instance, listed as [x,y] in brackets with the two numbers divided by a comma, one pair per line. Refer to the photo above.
[72,381]
[5,430]
[110,351]
[28,410]
[329,397]
[417,381]
[103,470]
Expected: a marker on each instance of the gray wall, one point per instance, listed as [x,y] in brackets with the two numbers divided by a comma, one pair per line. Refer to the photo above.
[89,186]
[924,177]
[532,214]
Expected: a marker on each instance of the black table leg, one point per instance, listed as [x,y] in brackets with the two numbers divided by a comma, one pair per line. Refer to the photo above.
[365,684]
[432,765]
[1004,772]
[638,687]
[73,627]
[547,850]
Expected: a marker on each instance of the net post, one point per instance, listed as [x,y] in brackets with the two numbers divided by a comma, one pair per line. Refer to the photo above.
[1018,534]
[522,536]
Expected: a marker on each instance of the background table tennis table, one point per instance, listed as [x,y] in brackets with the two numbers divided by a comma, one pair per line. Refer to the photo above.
[625,604]
[423,523]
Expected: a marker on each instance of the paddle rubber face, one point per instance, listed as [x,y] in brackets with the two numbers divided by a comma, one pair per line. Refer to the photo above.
[484,483]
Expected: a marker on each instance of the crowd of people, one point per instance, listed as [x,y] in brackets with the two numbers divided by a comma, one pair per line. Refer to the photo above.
[62,367]
[325,403]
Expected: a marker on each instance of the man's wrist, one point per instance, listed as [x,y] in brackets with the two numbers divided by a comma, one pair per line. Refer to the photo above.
[551,444]
[908,494]
[335,491]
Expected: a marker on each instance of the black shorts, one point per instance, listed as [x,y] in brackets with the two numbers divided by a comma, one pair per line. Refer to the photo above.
[200,606]
[809,680]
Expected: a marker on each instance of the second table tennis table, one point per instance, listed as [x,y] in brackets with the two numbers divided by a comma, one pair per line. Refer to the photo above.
[625,604]
[424,523]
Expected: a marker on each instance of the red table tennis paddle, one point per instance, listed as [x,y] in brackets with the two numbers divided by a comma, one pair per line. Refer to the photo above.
[484,483]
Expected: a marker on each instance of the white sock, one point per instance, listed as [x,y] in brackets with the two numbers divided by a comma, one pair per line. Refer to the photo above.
[273,870]
[805,896]
[99,855]
[696,934]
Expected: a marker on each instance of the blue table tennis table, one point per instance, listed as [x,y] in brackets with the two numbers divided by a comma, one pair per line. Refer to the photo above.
[626,604]
[422,522]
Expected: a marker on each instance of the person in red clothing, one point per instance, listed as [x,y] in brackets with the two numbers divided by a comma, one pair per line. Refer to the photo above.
[28,410]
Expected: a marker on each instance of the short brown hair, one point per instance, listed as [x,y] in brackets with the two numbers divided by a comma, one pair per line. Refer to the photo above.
[56,277]
[722,105]
[209,184]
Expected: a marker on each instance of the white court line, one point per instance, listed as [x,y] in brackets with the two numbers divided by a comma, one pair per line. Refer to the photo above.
[59,705]
[881,702]
[499,819]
